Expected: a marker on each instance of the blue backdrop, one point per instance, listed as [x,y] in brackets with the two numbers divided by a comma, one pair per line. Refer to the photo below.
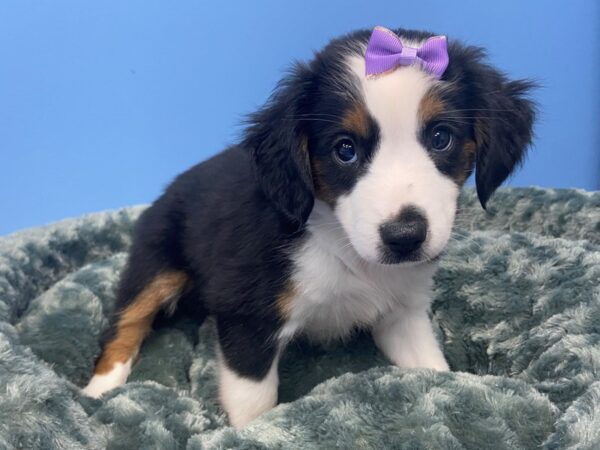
[103,102]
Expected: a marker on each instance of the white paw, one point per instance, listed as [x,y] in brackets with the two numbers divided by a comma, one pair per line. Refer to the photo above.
[244,399]
[99,384]
[407,339]
[410,360]
[440,365]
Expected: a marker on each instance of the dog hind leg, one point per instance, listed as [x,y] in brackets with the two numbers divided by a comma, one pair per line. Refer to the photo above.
[131,324]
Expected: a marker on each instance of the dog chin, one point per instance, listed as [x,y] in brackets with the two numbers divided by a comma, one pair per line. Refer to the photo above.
[413,259]
[388,259]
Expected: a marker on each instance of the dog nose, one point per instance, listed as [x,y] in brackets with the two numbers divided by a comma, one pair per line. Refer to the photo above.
[406,233]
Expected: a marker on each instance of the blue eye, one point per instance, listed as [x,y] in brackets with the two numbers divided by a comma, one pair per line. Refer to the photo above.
[345,152]
[441,138]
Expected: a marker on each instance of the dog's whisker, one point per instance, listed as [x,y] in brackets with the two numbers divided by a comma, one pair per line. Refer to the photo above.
[313,114]
[480,109]
[315,120]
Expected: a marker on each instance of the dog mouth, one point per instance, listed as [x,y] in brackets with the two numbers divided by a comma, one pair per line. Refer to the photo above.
[412,258]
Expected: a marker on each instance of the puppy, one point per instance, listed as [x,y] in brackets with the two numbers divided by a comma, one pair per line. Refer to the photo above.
[330,213]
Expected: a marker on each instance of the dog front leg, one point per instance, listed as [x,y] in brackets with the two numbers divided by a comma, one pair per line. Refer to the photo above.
[248,377]
[406,337]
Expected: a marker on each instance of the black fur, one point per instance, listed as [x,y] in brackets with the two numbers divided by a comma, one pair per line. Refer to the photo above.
[215,223]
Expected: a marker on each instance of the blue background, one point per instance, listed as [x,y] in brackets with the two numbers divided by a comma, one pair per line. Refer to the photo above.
[103,102]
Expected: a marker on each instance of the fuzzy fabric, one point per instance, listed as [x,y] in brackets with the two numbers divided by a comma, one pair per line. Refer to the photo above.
[517,308]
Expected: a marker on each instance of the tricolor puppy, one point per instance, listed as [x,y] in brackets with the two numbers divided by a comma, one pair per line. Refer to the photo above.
[330,213]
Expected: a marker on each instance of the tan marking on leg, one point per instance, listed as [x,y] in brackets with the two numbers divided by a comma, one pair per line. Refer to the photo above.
[285,300]
[136,319]
[431,106]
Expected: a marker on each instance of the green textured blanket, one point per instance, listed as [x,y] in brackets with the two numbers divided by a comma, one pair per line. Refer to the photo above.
[517,309]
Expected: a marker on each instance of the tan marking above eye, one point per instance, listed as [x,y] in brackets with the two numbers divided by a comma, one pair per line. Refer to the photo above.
[356,120]
[431,106]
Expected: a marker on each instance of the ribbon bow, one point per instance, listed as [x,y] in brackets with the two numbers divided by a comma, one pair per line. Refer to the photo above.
[385,53]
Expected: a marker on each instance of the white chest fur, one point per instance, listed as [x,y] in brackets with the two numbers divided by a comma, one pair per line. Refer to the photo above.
[337,291]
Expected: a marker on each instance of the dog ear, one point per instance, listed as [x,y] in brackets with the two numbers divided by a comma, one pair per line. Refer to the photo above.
[503,132]
[278,143]
[502,115]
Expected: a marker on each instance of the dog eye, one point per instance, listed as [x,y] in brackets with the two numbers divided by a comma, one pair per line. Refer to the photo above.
[345,152]
[441,138]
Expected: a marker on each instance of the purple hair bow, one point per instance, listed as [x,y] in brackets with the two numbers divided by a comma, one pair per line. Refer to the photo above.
[385,53]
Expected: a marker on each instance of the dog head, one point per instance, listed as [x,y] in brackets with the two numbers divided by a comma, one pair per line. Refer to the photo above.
[388,155]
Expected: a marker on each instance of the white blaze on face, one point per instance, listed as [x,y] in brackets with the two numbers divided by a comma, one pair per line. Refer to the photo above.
[401,172]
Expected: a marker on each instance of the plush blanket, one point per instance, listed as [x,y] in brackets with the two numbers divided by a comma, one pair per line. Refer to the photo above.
[517,308]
